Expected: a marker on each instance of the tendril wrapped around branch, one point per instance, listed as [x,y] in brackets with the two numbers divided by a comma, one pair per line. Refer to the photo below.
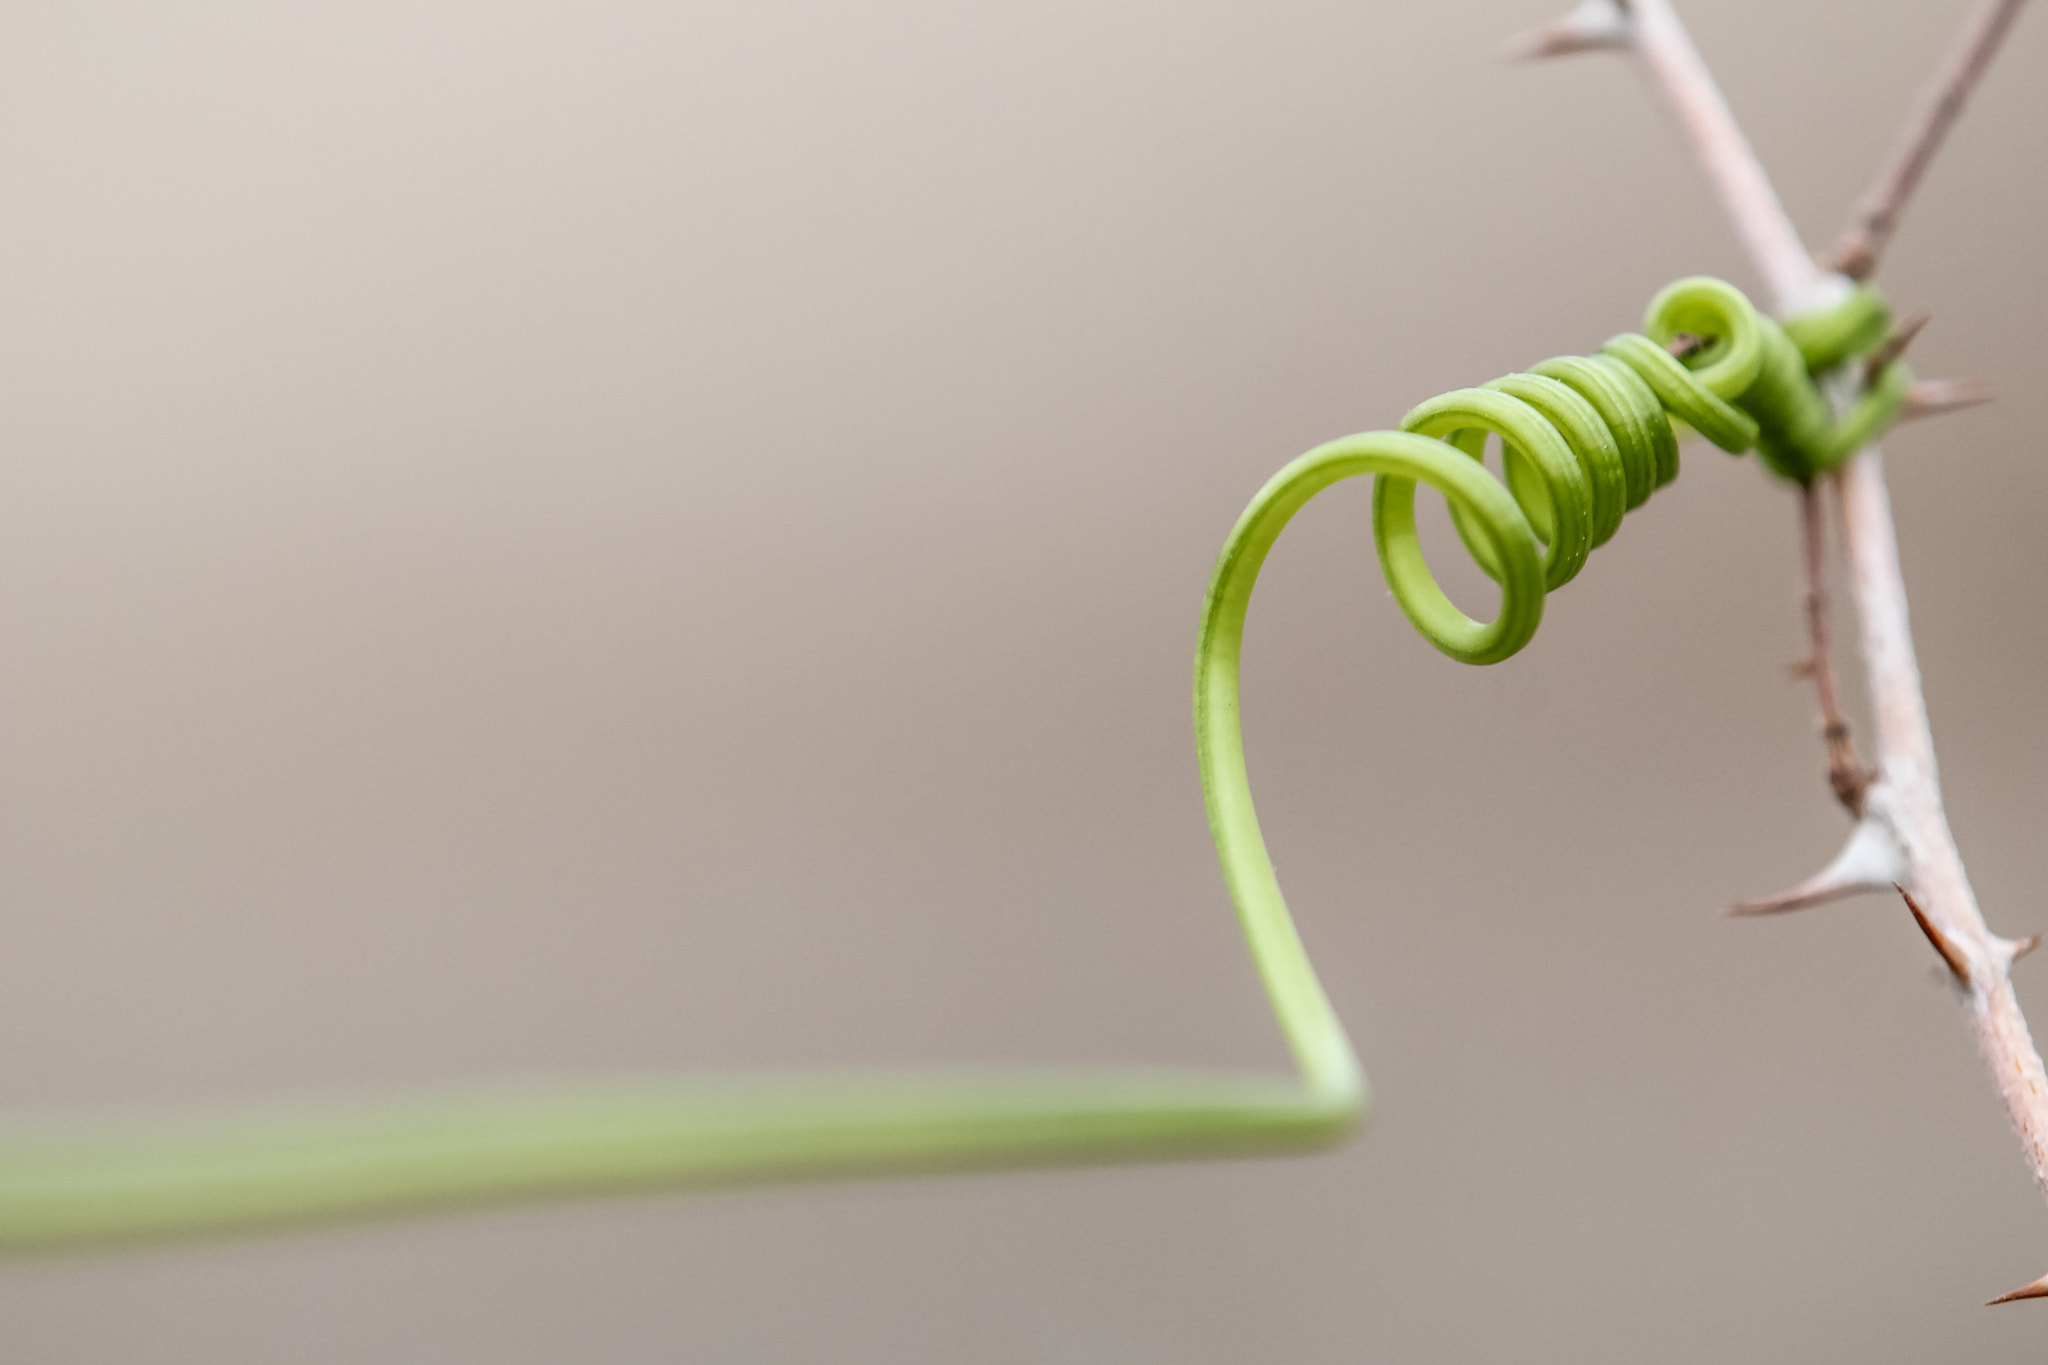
[1587,438]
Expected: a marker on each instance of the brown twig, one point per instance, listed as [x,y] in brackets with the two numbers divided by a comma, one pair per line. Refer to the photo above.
[1877,214]
[1846,774]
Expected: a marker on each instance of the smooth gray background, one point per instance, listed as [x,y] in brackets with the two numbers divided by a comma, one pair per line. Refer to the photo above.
[567,539]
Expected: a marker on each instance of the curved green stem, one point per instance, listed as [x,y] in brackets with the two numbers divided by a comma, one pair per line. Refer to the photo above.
[1584,439]
[217,1174]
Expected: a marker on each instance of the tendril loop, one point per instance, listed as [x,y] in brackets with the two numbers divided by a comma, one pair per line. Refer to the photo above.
[1585,439]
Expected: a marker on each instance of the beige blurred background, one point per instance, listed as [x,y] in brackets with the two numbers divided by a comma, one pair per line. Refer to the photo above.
[606,538]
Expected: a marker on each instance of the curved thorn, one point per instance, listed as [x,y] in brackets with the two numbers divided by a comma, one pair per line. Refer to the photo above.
[2037,1290]
[1588,26]
[1869,861]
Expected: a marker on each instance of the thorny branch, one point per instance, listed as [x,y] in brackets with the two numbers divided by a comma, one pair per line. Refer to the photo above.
[1846,773]
[1902,834]
[1877,213]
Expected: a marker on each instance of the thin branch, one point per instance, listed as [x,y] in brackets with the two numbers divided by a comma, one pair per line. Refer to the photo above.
[1680,77]
[1904,803]
[1846,774]
[1907,796]
[1877,214]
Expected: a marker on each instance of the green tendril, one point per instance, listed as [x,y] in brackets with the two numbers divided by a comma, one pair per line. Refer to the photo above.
[1584,440]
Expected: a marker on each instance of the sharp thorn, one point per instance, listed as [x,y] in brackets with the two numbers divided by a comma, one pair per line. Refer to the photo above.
[1958,965]
[1588,27]
[2010,950]
[1933,397]
[1894,346]
[1869,861]
[2037,1290]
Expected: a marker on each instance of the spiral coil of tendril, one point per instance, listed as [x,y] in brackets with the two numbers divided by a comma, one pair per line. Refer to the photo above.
[1584,440]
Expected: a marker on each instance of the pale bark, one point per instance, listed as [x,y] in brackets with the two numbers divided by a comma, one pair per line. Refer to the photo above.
[1902,835]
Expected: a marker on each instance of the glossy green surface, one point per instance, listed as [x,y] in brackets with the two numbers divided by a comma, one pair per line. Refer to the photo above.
[1585,440]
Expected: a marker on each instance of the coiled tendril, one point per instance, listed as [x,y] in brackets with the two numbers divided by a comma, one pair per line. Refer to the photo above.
[1585,439]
